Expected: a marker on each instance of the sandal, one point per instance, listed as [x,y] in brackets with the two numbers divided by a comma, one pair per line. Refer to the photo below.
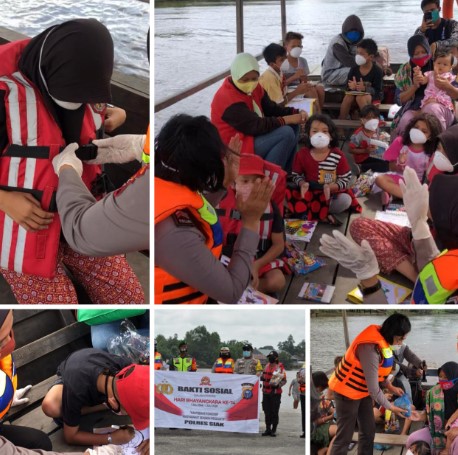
[333,220]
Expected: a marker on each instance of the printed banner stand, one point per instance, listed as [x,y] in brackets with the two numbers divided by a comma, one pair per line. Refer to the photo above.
[206,401]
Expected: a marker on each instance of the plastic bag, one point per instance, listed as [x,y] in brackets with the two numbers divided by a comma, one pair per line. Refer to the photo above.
[404,402]
[301,262]
[129,343]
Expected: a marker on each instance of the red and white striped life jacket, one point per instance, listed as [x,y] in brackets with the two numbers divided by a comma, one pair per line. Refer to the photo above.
[34,139]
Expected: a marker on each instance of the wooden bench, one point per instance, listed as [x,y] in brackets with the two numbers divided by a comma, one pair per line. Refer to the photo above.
[396,442]
[384,108]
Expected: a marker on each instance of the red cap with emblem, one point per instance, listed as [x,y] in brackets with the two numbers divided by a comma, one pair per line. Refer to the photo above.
[251,165]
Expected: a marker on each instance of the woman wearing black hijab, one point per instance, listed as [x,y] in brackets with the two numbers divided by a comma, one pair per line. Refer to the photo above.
[441,404]
[58,80]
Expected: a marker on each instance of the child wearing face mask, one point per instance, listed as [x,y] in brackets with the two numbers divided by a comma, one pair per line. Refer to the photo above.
[365,80]
[267,267]
[295,69]
[419,448]
[273,80]
[414,149]
[322,174]
[361,146]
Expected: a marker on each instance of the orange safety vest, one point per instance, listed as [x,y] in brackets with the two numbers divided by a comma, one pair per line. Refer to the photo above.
[8,367]
[157,361]
[348,379]
[224,366]
[170,198]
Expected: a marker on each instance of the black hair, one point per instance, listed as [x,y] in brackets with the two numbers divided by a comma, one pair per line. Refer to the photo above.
[189,150]
[272,52]
[430,2]
[447,52]
[292,35]
[369,109]
[368,45]
[397,325]
[337,360]
[320,379]
[421,448]
[322,118]
[434,126]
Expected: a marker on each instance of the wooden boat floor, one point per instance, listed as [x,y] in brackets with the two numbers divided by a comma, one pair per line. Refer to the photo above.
[332,273]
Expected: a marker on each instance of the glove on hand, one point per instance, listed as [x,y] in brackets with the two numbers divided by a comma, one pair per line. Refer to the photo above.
[359,259]
[119,149]
[416,202]
[18,396]
[110,449]
[67,156]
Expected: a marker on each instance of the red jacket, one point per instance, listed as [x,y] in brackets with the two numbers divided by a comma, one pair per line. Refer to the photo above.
[34,139]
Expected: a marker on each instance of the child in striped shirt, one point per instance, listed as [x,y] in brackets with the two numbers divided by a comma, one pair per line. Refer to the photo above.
[322,173]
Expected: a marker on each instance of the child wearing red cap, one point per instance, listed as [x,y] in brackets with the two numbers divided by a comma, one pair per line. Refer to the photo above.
[266,270]
[91,380]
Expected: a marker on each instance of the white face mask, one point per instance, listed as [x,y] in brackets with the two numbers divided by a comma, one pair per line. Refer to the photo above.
[417,136]
[320,140]
[244,189]
[360,60]
[295,52]
[371,125]
[67,104]
[409,452]
[395,347]
[442,163]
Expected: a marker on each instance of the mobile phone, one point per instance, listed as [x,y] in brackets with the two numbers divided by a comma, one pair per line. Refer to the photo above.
[428,16]
[87,152]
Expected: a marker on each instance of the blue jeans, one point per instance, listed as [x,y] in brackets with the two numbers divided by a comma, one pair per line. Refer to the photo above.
[101,333]
[279,146]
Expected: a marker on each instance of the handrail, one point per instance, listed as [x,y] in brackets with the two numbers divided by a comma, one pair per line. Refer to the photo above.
[167,102]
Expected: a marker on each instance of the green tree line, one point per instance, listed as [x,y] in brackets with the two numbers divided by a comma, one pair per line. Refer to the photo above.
[205,347]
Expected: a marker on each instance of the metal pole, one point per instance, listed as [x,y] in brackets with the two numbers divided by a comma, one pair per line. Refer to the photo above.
[283,18]
[239,24]
[345,323]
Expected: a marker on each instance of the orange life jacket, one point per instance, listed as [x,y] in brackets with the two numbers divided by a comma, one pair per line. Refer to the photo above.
[348,379]
[224,366]
[302,387]
[171,198]
[8,367]
[157,361]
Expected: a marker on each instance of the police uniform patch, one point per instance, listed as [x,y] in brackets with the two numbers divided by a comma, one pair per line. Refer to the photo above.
[183,218]
[99,107]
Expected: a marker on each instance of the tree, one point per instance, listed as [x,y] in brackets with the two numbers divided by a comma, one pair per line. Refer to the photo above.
[286,359]
[203,345]
[287,345]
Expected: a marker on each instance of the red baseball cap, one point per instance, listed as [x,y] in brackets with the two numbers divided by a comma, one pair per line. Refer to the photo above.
[251,164]
[132,387]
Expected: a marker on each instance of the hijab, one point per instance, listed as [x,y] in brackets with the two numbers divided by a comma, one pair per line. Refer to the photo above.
[243,63]
[450,396]
[412,43]
[73,62]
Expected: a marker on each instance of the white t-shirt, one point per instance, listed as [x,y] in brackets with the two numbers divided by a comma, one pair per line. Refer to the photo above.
[289,70]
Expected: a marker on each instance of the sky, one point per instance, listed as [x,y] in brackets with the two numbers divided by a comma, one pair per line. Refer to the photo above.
[261,327]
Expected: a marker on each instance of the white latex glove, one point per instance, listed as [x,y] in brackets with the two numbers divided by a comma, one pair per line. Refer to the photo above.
[359,259]
[18,396]
[110,449]
[416,202]
[67,156]
[119,149]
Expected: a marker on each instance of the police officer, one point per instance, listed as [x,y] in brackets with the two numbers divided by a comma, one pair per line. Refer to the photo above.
[247,364]
[224,363]
[183,362]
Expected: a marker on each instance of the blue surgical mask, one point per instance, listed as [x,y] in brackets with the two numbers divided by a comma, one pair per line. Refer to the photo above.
[353,36]
[246,354]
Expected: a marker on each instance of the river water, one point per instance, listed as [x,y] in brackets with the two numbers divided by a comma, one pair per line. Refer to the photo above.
[195,40]
[127,21]
[433,337]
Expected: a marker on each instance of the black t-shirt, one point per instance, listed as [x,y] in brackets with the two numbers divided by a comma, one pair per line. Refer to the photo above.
[79,373]
[373,79]
[441,33]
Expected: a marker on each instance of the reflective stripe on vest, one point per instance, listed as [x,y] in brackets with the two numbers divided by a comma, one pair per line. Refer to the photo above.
[438,279]
[146,148]
[169,198]
[182,364]
[348,379]
[157,361]
[224,367]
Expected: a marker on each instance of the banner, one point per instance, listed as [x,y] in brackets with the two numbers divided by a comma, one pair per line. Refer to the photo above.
[206,401]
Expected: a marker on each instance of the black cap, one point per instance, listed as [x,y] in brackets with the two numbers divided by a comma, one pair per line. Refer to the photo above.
[273,354]
[247,346]
[183,343]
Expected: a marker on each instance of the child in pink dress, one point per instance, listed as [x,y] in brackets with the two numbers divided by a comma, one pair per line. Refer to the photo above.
[414,149]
